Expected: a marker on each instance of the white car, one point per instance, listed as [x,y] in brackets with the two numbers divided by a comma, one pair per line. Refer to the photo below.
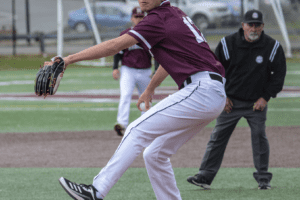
[204,13]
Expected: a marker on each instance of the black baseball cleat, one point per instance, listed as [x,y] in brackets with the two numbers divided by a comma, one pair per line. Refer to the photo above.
[119,129]
[79,191]
[199,180]
[264,184]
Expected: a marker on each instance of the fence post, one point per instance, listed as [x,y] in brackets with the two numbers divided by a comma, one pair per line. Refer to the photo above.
[42,44]
[27,22]
[14,37]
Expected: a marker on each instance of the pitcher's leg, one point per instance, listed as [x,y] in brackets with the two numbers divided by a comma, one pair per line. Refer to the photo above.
[157,158]
[216,146]
[162,120]
[182,124]
[126,153]
[163,184]
[139,134]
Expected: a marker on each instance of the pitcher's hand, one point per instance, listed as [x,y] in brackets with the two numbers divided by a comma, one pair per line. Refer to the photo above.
[145,97]
[56,59]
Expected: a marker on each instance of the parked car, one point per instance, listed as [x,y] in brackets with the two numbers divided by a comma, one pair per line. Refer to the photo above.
[204,13]
[107,14]
[235,8]
[264,5]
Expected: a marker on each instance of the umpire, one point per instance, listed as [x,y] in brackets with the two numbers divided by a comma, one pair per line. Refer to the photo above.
[255,68]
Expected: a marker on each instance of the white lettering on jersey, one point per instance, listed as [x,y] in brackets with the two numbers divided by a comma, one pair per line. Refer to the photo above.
[199,37]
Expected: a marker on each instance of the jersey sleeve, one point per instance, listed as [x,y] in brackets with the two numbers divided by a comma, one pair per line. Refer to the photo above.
[278,72]
[156,65]
[119,55]
[149,31]
[117,59]
[222,53]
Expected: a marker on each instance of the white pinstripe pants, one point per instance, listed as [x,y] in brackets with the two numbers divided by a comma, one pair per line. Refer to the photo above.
[162,131]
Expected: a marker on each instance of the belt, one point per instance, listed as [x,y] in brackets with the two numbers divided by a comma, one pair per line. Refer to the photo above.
[201,75]
[216,77]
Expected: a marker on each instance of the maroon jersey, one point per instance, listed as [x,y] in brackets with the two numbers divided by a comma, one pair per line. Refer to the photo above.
[176,43]
[135,56]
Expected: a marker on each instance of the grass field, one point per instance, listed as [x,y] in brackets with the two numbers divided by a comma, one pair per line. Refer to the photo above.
[42,183]
[80,116]
[101,116]
[17,75]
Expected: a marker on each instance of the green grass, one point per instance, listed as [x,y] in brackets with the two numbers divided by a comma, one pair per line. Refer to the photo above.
[293,74]
[42,183]
[24,62]
[17,76]
[40,116]
[24,68]
[21,62]
[75,79]
[229,184]
[79,116]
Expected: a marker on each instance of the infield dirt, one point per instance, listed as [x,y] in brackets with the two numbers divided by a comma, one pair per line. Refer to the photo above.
[94,149]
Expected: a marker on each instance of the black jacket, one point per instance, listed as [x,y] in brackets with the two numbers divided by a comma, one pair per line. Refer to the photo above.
[252,70]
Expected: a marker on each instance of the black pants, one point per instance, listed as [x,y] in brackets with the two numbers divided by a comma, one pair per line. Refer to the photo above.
[225,125]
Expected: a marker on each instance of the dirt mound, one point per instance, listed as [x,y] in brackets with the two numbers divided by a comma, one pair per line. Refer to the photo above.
[94,149]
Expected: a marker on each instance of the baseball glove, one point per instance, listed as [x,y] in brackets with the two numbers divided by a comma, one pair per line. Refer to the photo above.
[48,77]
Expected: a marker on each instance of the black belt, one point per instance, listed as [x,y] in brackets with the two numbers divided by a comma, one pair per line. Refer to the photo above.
[216,77]
[212,76]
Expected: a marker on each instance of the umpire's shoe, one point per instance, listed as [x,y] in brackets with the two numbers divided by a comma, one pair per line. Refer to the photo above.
[199,180]
[119,129]
[264,184]
[79,192]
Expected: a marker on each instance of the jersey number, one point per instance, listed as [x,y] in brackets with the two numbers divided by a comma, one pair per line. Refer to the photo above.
[199,37]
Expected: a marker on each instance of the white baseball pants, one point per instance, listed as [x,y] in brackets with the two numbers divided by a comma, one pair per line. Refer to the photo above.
[162,131]
[131,78]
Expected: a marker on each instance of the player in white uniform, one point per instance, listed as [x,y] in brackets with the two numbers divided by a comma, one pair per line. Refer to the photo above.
[176,43]
[135,72]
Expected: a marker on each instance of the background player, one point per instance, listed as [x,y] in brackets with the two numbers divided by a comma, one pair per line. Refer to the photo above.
[135,72]
[255,68]
[183,53]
